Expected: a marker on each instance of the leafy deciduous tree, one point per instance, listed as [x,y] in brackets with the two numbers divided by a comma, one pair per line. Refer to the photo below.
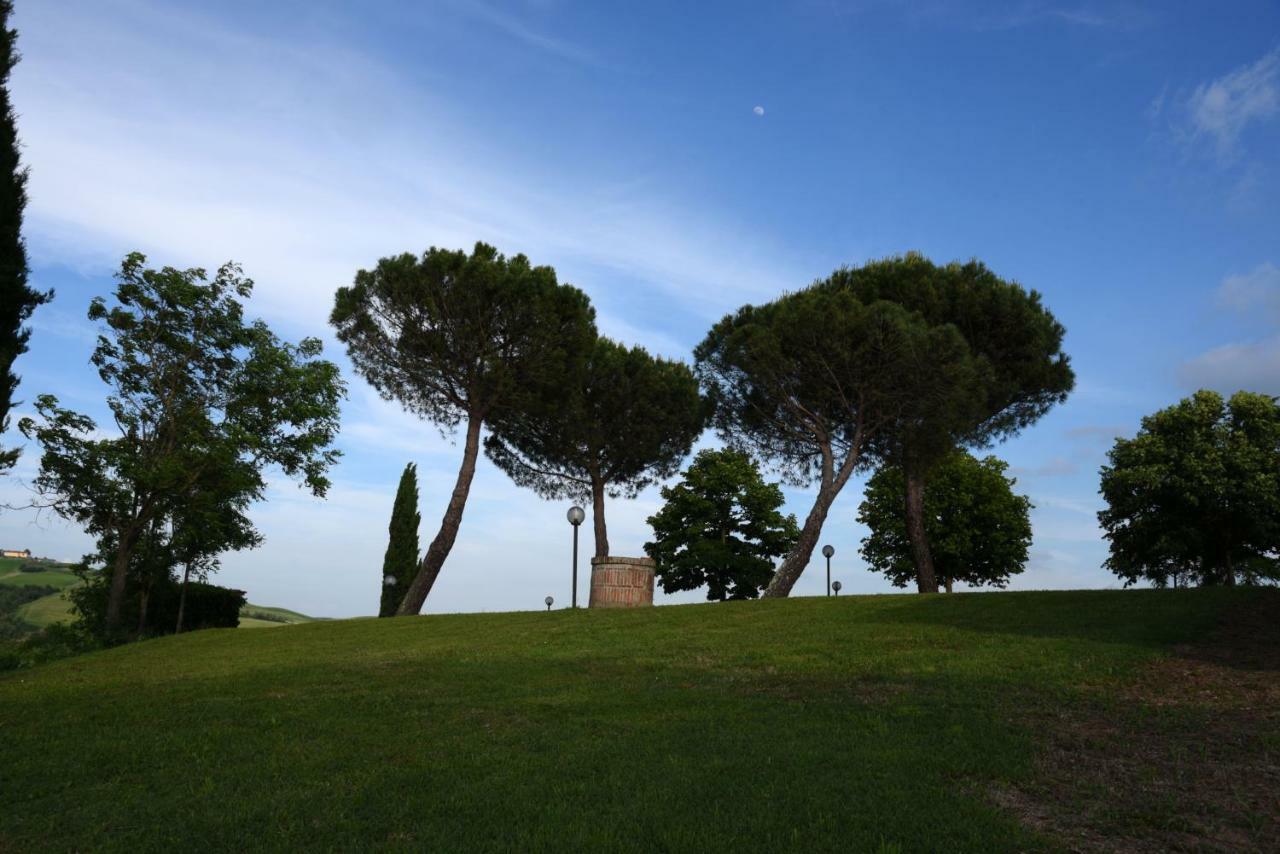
[461,338]
[194,390]
[1017,371]
[400,564]
[1196,494]
[979,530]
[625,420]
[721,527]
[809,380]
[17,299]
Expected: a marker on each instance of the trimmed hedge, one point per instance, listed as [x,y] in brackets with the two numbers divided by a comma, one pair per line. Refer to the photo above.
[208,606]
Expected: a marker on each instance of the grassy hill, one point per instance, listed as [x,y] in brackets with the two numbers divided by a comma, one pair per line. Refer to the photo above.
[55,608]
[1108,720]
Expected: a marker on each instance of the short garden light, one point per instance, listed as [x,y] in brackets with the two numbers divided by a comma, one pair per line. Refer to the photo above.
[549,602]
[835,585]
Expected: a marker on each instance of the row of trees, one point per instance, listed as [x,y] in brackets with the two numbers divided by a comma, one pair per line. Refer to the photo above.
[722,528]
[898,363]
[483,341]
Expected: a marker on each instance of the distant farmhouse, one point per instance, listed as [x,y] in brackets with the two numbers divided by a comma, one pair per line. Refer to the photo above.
[25,553]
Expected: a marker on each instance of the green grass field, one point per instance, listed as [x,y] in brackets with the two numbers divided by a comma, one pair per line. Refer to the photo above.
[888,723]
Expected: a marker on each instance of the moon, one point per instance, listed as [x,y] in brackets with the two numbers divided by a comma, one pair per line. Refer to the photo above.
[759,111]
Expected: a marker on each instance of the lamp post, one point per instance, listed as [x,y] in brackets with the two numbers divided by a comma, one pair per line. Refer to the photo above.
[835,585]
[575,517]
[549,602]
[827,552]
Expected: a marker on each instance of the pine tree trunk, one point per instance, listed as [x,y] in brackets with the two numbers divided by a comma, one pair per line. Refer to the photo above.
[597,517]
[949,590]
[182,598]
[926,580]
[440,547]
[798,558]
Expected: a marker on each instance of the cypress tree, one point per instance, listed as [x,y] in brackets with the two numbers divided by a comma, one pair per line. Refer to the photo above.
[401,562]
[17,299]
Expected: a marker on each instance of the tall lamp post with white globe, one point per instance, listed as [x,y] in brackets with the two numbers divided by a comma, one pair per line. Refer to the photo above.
[575,516]
[827,552]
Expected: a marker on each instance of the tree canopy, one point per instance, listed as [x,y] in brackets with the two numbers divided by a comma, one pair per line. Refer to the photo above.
[808,381]
[1016,370]
[201,401]
[979,530]
[17,298]
[1195,495]
[457,337]
[721,527]
[623,421]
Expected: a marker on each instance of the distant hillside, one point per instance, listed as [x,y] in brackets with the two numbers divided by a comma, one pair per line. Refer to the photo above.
[54,607]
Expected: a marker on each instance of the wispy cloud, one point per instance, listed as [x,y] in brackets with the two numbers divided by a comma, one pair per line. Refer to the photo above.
[1222,109]
[521,31]
[1252,365]
[301,161]
[1256,290]
[1248,366]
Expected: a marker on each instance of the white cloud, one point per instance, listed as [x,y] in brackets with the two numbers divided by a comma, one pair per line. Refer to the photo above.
[306,161]
[1252,365]
[1257,289]
[1223,108]
[1248,366]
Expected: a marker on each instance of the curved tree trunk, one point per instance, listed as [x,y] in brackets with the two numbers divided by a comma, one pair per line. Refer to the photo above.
[926,580]
[439,549]
[597,517]
[798,558]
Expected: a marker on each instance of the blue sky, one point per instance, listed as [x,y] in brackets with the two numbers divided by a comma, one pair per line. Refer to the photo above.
[1123,159]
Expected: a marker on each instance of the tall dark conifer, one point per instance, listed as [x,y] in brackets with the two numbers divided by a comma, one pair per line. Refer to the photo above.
[17,299]
[401,562]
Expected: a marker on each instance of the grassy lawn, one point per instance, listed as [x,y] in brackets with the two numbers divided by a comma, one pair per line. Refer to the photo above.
[888,723]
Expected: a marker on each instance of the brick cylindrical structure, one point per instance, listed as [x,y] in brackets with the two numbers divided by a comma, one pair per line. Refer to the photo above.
[621,582]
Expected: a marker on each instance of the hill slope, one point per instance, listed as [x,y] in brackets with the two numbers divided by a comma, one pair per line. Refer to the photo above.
[56,608]
[875,723]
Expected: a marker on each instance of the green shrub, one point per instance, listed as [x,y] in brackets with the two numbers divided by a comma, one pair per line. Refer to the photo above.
[33,567]
[49,644]
[208,606]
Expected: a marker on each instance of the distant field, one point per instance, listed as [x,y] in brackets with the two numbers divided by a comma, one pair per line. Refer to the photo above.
[1099,721]
[56,608]
[55,576]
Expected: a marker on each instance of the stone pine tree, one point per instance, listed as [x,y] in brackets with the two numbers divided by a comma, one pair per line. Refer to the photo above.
[461,339]
[1018,371]
[400,564]
[623,421]
[721,527]
[17,299]
[193,388]
[979,529]
[1194,497]
[809,381]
